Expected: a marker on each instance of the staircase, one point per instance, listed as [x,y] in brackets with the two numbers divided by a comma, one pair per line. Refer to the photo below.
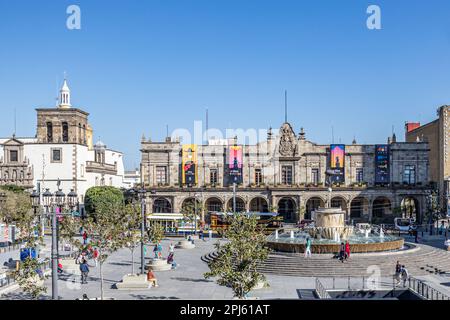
[424,261]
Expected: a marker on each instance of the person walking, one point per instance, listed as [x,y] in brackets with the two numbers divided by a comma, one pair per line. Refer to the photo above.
[85,237]
[84,268]
[308,247]
[95,256]
[171,248]
[347,250]
[398,271]
[405,275]
[210,234]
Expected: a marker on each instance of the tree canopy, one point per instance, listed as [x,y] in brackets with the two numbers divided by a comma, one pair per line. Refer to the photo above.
[106,196]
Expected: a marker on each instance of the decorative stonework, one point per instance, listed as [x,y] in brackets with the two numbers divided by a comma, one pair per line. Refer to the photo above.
[288,146]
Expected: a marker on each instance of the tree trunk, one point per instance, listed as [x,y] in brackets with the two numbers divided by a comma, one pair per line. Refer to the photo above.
[101,280]
[132,261]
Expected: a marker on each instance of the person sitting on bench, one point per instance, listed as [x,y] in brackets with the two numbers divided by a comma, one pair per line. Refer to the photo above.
[152,278]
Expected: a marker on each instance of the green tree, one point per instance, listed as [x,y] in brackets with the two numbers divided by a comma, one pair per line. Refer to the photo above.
[155,233]
[15,209]
[238,259]
[133,235]
[100,196]
[190,210]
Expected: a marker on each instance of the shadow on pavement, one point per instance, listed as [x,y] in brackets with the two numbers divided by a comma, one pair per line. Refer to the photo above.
[191,280]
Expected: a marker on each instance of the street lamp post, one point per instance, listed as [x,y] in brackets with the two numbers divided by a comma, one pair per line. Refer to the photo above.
[142,193]
[35,203]
[57,201]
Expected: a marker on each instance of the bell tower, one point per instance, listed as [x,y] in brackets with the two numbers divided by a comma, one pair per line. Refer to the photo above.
[63,124]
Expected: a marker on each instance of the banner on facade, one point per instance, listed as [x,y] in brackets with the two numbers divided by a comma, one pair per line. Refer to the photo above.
[337,163]
[189,164]
[235,164]
[382,164]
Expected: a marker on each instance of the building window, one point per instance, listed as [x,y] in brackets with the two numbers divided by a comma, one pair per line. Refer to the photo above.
[65,132]
[409,175]
[359,175]
[213,176]
[161,175]
[56,155]
[315,176]
[13,156]
[286,175]
[96,181]
[49,132]
[82,170]
[258,177]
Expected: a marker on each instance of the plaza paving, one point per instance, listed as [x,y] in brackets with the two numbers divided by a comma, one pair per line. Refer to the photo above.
[187,281]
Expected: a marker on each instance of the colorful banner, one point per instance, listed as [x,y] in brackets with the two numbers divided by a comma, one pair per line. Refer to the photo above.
[337,162]
[382,164]
[235,164]
[189,164]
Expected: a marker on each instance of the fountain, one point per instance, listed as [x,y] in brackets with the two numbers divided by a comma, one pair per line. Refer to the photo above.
[327,232]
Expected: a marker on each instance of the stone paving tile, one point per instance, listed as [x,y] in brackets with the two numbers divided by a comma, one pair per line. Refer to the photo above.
[187,282]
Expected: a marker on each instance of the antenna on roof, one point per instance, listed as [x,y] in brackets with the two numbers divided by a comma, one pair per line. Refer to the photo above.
[15,122]
[285,107]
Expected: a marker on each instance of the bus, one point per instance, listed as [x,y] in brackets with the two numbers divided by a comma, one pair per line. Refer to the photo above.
[269,221]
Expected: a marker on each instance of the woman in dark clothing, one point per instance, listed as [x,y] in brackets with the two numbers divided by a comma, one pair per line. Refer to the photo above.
[342,252]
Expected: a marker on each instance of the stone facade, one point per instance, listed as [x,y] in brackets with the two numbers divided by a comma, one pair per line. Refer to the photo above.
[264,184]
[437,135]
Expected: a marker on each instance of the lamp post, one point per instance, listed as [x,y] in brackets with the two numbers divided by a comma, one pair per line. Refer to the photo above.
[142,193]
[36,203]
[57,201]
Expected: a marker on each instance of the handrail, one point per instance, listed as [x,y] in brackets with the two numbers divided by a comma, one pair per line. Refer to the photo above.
[321,291]
[425,291]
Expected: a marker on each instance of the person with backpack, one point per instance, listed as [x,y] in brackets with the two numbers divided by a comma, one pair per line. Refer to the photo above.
[84,268]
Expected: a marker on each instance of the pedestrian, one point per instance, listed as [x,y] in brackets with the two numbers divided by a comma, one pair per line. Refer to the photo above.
[210,234]
[342,252]
[442,228]
[416,236]
[84,268]
[60,266]
[398,271]
[405,275]
[170,258]
[84,237]
[95,256]
[347,250]
[171,248]
[308,247]
[159,250]
[152,278]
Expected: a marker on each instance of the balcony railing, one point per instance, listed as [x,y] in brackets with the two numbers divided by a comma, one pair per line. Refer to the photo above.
[92,166]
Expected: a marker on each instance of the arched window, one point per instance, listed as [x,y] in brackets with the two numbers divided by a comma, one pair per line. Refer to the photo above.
[65,132]
[49,132]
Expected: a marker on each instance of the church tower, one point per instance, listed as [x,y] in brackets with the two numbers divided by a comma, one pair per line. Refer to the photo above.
[64,96]
[64,124]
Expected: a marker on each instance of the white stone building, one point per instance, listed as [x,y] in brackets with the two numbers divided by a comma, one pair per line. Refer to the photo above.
[62,150]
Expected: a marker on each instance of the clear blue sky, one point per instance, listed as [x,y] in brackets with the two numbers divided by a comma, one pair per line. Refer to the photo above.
[139,65]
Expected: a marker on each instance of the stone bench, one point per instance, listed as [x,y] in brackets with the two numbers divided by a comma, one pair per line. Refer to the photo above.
[133,282]
[185,244]
[158,265]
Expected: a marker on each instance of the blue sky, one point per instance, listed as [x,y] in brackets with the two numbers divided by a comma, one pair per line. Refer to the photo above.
[139,65]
